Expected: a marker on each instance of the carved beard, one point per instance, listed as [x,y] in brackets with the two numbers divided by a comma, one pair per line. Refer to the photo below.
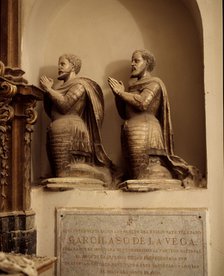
[134,74]
[138,72]
[63,75]
[135,71]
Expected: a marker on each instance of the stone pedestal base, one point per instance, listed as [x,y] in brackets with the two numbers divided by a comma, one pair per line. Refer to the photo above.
[150,185]
[17,232]
[69,183]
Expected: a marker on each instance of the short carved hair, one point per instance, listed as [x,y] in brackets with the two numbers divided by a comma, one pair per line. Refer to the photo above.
[74,60]
[149,57]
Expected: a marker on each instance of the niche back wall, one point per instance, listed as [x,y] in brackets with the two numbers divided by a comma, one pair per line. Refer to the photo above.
[104,34]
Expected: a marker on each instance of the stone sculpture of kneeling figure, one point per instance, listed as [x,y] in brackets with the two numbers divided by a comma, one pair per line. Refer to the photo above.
[76,110]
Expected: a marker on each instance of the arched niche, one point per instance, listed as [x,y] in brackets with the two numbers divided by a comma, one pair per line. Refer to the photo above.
[104,34]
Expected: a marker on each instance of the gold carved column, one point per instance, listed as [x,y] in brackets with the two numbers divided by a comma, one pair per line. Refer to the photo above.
[17,117]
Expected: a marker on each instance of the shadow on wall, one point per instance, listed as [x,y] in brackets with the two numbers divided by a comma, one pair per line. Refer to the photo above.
[40,160]
[120,71]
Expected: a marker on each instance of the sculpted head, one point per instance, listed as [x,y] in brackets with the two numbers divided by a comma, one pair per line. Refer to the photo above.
[68,63]
[142,60]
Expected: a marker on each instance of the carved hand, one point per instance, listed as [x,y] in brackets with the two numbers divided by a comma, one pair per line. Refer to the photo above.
[116,86]
[46,83]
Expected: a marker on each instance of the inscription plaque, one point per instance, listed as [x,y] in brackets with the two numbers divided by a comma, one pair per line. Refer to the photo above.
[131,242]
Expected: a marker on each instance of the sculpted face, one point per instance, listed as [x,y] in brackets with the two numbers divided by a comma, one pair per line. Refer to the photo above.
[64,68]
[139,66]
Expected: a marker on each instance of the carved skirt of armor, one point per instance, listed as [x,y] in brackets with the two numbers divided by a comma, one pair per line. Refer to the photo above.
[141,137]
[69,142]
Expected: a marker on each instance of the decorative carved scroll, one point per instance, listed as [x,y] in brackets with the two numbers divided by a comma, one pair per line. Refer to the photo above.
[7,91]
[31,117]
